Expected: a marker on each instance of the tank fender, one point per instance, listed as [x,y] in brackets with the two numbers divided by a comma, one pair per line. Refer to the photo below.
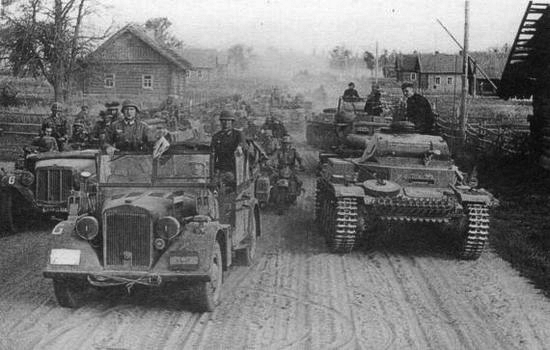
[471,195]
[194,241]
[348,191]
[64,237]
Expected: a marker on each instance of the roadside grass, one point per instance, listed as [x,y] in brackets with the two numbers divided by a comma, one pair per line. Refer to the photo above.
[520,231]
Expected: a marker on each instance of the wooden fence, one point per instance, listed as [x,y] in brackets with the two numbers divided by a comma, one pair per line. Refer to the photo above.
[488,137]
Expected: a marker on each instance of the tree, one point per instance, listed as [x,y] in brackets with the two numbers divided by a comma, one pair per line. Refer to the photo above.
[44,38]
[160,27]
[370,60]
[240,56]
[340,57]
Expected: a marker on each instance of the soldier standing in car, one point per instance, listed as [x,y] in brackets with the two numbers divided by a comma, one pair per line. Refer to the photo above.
[127,134]
[58,123]
[225,144]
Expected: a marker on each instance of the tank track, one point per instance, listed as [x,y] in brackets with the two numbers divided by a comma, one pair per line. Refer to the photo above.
[477,232]
[318,201]
[413,209]
[343,222]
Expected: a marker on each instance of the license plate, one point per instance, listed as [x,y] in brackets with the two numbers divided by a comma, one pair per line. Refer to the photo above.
[65,257]
[184,260]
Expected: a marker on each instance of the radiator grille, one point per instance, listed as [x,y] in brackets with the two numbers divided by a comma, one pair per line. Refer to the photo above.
[128,237]
[53,185]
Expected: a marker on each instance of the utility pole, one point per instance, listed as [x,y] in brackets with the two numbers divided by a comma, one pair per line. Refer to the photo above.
[463,110]
[376,65]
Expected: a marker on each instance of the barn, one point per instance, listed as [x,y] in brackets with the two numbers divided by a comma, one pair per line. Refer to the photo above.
[132,62]
[527,74]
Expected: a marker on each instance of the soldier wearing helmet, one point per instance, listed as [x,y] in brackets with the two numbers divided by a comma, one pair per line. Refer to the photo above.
[112,110]
[225,143]
[276,126]
[58,123]
[287,156]
[127,134]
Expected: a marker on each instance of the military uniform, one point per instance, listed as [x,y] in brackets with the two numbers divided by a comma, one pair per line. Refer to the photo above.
[224,144]
[58,124]
[127,135]
[419,111]
[276,127]
[288,157]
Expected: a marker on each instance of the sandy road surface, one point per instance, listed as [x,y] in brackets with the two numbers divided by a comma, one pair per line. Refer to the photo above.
[406,291]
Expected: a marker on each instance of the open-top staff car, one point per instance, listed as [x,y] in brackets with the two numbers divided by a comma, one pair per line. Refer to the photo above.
[42,183]
[158,220]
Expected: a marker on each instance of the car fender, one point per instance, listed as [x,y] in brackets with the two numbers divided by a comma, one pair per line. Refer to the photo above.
[197,241]
[63,236]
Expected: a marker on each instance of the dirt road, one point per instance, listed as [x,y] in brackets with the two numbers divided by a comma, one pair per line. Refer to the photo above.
[405,292]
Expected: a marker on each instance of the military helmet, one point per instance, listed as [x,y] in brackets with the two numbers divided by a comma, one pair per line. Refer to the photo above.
[128,103]
[407,85]
[227,115]
[286,139]
[112,105]
[57,106]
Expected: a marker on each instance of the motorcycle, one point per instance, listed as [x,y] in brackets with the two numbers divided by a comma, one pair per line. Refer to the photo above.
[286,189]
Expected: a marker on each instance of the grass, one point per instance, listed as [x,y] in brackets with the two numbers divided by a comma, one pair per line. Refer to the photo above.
[520,230]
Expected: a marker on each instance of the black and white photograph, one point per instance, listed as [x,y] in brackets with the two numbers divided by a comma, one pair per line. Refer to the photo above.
[274,174]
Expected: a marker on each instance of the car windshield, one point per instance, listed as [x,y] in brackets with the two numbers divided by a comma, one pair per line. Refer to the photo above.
[194,167]
[138,168]
[126,169]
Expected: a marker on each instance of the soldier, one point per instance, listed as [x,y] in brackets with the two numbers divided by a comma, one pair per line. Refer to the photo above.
[57,122]
[112,110]
[127,134]
[277,127]
[373,105]
[252,131]
[46,142]
[419,110]
[225,144]
[82,117]
[80,134]
[288,156]
[351,93]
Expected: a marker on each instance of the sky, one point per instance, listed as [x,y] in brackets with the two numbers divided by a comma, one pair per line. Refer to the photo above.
[308,25]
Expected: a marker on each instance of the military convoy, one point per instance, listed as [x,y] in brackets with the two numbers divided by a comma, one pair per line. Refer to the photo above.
[155,221]
[401,176]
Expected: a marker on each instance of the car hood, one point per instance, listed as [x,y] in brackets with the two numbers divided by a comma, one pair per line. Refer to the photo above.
[157,202]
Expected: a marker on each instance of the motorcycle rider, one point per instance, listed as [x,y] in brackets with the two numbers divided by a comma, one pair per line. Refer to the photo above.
[287,157]
[276,126]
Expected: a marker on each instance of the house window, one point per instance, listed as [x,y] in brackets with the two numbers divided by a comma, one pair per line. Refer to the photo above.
[147,81]
[109,81]
[437,80]
[450,80]
[413,76]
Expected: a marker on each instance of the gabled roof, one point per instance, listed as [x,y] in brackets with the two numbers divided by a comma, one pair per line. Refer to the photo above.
[201,58]
[134,29]
[440,63]
[491,62]
[406,63]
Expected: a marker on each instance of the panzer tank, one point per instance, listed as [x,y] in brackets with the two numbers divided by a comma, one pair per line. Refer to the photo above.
[401,176]
[328,129]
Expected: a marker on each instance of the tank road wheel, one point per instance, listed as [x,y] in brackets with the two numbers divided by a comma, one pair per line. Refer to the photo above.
[67,292]
[475,231]
[208,294]
[343,225]
[6,212]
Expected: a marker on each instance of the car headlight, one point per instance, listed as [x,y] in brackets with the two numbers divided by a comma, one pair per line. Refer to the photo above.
[168,227]
[87,227]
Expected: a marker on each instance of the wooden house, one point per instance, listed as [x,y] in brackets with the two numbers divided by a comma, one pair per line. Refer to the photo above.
[492,64]
[406,68]
[440,73]
[132,62]
[208,64]
[527,75]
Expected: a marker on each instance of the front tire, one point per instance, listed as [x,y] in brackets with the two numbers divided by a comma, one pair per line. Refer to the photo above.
[6,212]
[67,292]
[208,294]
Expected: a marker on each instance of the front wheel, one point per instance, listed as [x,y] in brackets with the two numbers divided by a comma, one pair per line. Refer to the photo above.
[67,292]
[6,212]
[208,294]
